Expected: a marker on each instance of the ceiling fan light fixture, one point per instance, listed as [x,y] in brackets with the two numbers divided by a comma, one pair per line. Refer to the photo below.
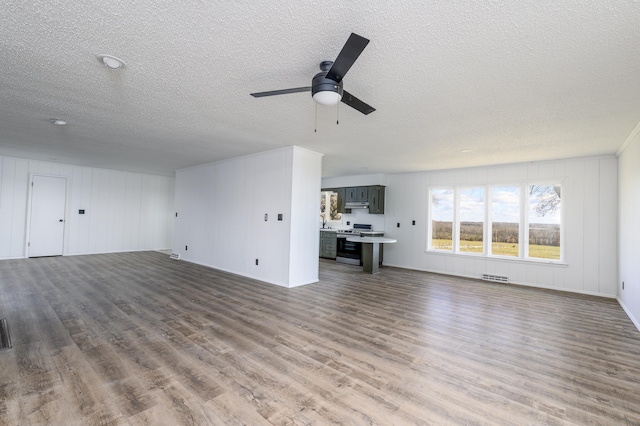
[111,62]
[327,98]
[326,91]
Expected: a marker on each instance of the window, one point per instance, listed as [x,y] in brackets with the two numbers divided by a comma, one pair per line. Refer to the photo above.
[471,235]
[544,221]
[441,219]
[505,220]
[329,206]
[463,218]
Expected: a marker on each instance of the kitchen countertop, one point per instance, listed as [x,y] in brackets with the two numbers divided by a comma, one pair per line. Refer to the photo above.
[371,240]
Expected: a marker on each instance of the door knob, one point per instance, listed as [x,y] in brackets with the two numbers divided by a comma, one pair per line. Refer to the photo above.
[61,220]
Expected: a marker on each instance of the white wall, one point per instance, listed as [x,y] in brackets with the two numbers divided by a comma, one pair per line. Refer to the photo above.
[629,229]
[304,237]
[221,208]
[589,202]
[123,211]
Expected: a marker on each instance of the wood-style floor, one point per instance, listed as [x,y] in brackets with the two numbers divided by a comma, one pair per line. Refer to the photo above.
[139,339]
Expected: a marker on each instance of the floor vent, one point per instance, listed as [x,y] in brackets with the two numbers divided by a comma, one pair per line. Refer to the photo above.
[5,338]
[175,256]
[496,278]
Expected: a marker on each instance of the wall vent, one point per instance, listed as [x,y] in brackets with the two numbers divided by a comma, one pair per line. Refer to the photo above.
[496,278]
[175,256]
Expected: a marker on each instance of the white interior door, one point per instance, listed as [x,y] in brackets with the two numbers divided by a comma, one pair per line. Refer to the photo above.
[48,200]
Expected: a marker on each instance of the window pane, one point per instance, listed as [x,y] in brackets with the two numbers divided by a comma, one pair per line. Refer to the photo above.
[471,220]
[544,221]
[505,220]
[442,219]
[334,206]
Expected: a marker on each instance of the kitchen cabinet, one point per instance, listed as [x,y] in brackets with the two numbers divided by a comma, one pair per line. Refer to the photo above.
[357,193]
[376,199]
[341,199]
[362,193]
[373,194]
[328,244]
[351,194]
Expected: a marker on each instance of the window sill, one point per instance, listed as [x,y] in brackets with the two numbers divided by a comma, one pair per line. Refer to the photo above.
[557,263]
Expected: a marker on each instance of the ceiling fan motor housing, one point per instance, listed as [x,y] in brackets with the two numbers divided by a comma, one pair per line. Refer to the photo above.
[322,84]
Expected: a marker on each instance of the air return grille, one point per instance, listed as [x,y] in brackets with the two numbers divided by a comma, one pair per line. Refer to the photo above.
[496,278]
[175,256]
[5,338]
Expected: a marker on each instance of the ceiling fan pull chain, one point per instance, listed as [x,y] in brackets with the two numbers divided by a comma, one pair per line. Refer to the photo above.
[315,125]
[338,114]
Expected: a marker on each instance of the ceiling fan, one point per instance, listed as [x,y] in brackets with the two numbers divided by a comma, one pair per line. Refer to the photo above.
[326,86]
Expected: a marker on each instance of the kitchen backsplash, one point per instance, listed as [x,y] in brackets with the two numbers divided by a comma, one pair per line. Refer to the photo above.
[358,216]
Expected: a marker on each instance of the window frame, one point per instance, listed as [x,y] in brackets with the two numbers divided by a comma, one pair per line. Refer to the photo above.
[430,215]
[523,231]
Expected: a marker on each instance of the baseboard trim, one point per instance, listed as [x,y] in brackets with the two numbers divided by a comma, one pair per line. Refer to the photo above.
[253,277]
[473,277]
[629,314]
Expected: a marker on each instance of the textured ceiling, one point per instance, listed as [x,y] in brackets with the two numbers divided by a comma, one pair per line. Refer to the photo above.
[511,81]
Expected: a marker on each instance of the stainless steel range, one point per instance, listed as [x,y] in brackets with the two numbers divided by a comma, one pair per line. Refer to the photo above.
[348,251]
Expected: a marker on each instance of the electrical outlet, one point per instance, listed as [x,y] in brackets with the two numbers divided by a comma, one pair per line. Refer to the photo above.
[413,222]
[623,285]
[398,225]
[279,216]
[186,248]
[348,223]
[176,214]
[256,262]
[266,217]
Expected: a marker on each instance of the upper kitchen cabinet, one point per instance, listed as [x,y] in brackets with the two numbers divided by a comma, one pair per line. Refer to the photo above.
[373,196]
[340,196]
[376,199]
[351,194]
[363,193]
[357,194]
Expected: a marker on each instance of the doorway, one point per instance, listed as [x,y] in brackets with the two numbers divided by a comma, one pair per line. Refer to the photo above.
[47,215]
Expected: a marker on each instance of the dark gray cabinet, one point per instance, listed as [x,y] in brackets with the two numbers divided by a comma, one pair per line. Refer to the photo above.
[357,193]
[341,199]
[328,244]
[362,193]
[376,199]
[373,194]
[351,194]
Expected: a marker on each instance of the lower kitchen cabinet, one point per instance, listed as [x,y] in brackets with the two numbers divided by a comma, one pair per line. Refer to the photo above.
[328,244]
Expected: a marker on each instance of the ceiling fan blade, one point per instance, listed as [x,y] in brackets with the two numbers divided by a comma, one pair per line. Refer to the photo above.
[281,92]
[356,103]
[347,56]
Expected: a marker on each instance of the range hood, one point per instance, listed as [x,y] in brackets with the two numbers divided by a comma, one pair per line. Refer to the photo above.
[356,205]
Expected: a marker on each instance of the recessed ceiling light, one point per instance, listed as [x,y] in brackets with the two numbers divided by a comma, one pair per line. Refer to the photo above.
[58,122]
[111,62]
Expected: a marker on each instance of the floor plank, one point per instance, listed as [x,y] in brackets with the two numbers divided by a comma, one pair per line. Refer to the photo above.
[139,339]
